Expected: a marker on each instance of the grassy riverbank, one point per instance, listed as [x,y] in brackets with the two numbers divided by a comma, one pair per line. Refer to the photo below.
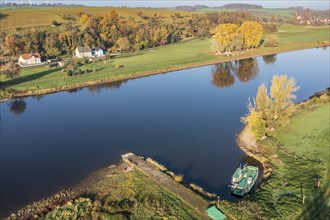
[117,192]
[298,186]
[186,54]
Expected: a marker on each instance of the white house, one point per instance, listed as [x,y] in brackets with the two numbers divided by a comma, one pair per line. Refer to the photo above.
[82,52]
[29,59]
[97,52]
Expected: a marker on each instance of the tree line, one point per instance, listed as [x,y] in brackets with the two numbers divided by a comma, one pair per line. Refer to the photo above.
[115,32]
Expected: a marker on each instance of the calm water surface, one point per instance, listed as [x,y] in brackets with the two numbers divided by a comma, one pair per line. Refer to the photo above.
[187,120]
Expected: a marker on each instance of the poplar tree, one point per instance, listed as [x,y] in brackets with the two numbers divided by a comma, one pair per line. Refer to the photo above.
[252,33]
[282,105]
[272,110]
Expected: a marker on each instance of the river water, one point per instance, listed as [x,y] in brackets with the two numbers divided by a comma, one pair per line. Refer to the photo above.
[186,120]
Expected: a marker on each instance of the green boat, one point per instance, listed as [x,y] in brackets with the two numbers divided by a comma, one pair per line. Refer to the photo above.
[243,180]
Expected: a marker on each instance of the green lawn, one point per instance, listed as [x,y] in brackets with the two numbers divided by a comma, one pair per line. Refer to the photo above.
[309,135]
[298,34]
[188,53]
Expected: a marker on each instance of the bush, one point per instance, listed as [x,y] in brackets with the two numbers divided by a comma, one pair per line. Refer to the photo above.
[156,164]
[200,190]
[78,62]
[271,41]
[79,71]
[69,73]
[178,178]
[170,173]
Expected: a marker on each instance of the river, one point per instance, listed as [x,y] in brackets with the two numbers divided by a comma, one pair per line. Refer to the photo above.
[186,120]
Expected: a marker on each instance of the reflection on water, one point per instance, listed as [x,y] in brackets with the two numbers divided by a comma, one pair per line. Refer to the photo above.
[245,70]
[18,106]
[222,75]
[269,58]
[106,86]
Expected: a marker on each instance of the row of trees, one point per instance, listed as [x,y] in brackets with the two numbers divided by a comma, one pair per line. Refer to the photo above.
[112,31]
[271,109]
[231,37]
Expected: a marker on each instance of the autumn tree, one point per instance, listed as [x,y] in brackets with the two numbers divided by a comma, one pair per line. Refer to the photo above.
[123,43]
[12,70]
[225,37]
[252,33]
[256,121]
[83,19]
[12,42]
[282,105]
[272,110]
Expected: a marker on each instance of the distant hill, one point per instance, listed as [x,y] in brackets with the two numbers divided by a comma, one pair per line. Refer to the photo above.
[241,6]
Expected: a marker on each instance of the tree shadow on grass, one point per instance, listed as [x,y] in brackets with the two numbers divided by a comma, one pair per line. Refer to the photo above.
[23,79]
[2,16]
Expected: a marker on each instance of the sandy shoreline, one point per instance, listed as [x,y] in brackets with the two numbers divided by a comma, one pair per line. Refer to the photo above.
[21,94]
[249,145]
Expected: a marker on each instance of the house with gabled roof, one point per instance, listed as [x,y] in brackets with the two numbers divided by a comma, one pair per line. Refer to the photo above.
[27,59]
[97,52]
[82,52]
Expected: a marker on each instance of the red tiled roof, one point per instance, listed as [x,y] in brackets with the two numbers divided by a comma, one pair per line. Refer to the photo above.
[27,56]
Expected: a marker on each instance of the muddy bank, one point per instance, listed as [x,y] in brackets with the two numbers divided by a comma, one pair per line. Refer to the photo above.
[249,145]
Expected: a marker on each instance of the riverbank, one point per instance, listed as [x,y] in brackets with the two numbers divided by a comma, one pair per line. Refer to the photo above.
[120,191]
[295,158]
[184,55]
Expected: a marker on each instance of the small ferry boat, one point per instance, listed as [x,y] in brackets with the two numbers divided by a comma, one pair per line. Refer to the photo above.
[244,179]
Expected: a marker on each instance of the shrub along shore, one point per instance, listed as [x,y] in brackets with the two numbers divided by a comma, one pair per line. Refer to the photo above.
[190,54]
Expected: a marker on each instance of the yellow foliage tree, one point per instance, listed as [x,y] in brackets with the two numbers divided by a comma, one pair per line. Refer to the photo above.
[282,105]
[256,121]
[252,33]
[83,19]
[273,110]
[225,36]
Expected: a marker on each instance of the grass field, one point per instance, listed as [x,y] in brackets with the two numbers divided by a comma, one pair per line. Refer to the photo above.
[189,53]
[35,17]
[313,140]
[265,12]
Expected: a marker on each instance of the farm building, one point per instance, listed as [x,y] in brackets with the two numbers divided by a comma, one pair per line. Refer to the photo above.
[82,52]
[29,59]
[97,52]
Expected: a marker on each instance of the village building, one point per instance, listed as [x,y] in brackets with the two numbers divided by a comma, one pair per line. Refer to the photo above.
[82,52]
[29,59]
[97,52]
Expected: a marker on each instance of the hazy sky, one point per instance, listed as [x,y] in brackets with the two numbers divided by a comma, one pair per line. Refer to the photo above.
[319,4]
